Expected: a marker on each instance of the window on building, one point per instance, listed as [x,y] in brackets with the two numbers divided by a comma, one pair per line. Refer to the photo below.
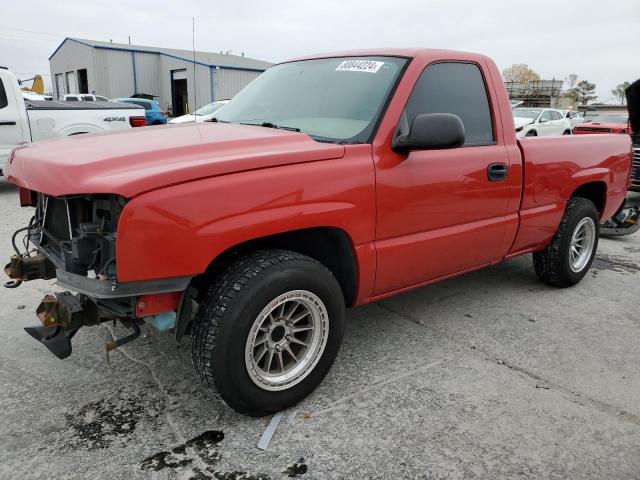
[458,88]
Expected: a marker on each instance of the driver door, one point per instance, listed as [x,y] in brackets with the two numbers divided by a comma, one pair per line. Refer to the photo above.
[438,213]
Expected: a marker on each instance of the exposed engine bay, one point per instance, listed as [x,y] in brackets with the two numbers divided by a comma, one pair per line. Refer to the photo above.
[73,239]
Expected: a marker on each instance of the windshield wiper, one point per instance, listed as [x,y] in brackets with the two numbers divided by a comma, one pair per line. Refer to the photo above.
[279,127]
[271,125]
[215,120]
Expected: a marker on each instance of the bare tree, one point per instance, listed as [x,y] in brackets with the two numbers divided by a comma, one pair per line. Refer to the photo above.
[571,81]
[618,92]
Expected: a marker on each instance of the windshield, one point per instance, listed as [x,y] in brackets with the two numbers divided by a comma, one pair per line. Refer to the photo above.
[607,118]
[526,113]
[331,99]
[209,108]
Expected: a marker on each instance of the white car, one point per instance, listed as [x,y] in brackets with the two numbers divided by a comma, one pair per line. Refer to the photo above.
[203,114]
[574,117]
[23,120]
[83,97]
[538,122]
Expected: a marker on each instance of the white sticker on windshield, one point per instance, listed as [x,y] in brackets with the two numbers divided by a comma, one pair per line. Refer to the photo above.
[370,66]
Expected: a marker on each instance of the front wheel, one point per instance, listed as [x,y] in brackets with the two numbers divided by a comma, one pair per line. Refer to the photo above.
[567,258]
[268,330]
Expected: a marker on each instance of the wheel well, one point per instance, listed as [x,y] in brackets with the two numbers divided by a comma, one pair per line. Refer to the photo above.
[594,191]
[330,246]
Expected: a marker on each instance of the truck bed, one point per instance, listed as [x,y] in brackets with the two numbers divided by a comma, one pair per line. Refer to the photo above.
[59,105]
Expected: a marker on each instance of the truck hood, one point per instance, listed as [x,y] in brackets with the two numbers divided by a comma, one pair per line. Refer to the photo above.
[131,162]
[521,121]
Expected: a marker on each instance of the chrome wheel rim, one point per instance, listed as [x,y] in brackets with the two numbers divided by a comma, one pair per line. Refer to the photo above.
[286,340]
[582,242]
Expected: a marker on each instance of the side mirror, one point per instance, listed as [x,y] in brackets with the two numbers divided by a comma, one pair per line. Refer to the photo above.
[542,120]
[430,131]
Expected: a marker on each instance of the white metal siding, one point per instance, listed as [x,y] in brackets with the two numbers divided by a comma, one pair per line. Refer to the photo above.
[230,82]
[148,73]
[114,71]
[71,57]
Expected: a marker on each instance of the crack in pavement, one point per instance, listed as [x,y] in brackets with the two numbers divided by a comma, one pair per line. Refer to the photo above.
[374,386]
[570,395]
[167,398]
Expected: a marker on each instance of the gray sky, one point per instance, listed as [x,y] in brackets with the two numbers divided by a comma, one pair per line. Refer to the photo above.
[599,41]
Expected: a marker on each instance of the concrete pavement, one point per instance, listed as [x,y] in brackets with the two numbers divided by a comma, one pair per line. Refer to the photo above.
[489,375]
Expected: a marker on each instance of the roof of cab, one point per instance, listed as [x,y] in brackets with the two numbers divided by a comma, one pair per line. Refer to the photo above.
[389,52]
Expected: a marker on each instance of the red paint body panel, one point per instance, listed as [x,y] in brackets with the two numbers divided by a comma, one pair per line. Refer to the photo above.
[130,162]
[601,128]
[147,305]
[188,225]
[197,190]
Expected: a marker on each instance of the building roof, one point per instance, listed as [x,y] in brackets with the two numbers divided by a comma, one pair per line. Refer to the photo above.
[202,58]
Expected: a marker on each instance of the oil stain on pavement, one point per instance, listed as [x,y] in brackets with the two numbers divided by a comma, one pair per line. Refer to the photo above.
[98,424]
[203,451]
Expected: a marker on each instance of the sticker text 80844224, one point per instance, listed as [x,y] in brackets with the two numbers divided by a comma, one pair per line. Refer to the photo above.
[369,66]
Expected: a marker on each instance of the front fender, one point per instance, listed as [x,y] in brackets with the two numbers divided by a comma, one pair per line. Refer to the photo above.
[178,230]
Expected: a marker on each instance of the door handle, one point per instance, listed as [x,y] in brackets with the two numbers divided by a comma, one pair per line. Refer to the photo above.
[497,172]
[7,123]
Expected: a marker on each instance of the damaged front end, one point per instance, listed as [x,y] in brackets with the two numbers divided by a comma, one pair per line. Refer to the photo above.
[73,239]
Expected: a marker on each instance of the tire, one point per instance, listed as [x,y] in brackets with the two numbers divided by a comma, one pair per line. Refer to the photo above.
[531,133]
[566,132]
[555,264]
[226,329]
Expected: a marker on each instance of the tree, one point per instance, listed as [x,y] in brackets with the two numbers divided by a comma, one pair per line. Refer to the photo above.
[519,73]
[571,81]
[583,92]
[619,91]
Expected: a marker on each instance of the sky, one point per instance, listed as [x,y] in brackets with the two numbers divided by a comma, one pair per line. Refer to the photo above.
[599,41]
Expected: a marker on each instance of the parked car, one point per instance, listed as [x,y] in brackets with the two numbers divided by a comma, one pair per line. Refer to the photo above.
[603,123]
[574,117]
[203,114]
[539,122]
[83,97]
[23,121]
[155,115]
[328,182]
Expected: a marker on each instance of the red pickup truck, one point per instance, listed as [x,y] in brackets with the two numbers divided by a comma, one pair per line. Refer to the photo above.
[329,182]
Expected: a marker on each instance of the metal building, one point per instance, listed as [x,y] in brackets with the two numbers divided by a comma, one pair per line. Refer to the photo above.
[117,70]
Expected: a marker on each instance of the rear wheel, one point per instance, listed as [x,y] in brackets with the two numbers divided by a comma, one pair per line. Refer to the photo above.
[268,330]
[567,258]
[567,132]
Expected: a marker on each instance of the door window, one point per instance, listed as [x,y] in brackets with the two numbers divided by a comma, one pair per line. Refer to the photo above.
[555,116]
[458,88]
[545,116]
